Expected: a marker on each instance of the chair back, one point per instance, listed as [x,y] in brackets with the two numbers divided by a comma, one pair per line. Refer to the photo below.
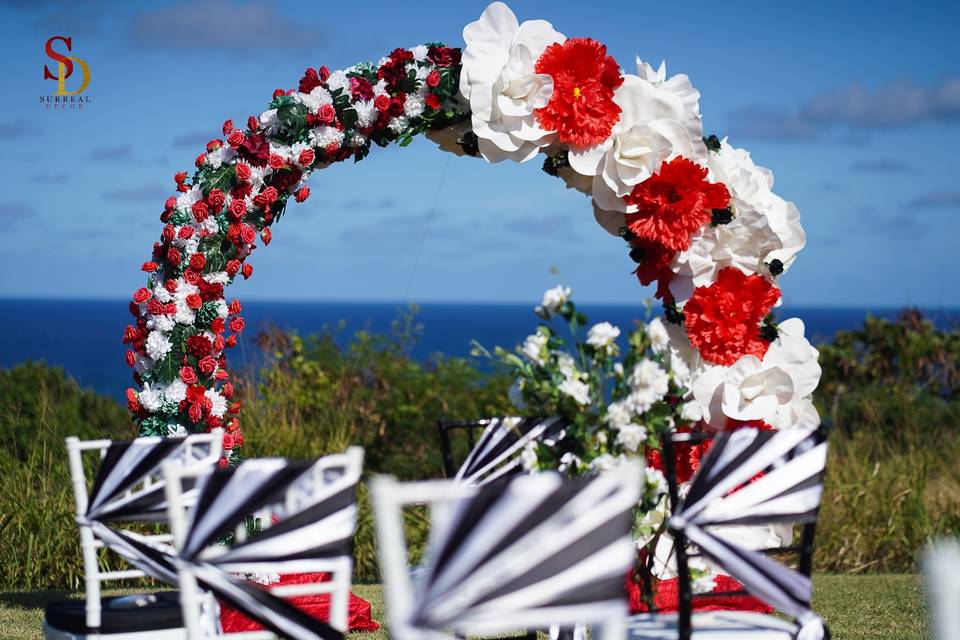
[285,516]
[749,477]
[128,487]
[495,445]
[525,552]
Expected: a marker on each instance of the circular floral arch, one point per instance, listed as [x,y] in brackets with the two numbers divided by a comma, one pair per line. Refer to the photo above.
[698,217]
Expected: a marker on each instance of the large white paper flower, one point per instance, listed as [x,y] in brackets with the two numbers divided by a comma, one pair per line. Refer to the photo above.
[776,389]
[499,81]
[657,122]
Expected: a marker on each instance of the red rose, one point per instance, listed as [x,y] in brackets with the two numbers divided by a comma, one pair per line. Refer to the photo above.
[236,138]
[173,256]
[155,307]
[302,194]
[216,199]
[382,102]
[361,89]
[133,405]
[201,159]
[185,233]
[247,270]
[218,341]
[227,390]
[723,319]
[327,113]
[234,408]
[213,145]
[309,81]
[248,234]
[237,324]
[276,162]
[188,375]
[233,268]
[252,123]
[131,358]
[200,211]
[443,56]
[243,171]
[149,267]
[207,365]
[218,325]
[674,203]
[191,276]
[170,309]
[394,70]
[331,149]
[227,441]
[432,101]
[238,439]
[195,413]
[227,127]
[170,285]
[141,295]
[433,78]
[213,422]
[396,105]
[266,235]
[307,156]
[238,209]
[194,301]
[231,342]
[270,195]
[581,109]
[168,233]
[197,261]
[179,177]
[170,204]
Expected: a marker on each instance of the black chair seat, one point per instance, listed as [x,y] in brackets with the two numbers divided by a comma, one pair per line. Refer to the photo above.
[119,614]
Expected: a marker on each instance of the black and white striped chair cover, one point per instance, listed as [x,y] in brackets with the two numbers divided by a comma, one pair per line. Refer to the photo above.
[496,453]
[307,515]
[129,487]
[523,552]
[727,491]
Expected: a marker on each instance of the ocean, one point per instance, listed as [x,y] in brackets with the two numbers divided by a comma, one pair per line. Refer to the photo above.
[83,336]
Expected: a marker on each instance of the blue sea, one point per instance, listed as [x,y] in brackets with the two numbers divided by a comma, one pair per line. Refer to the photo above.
[83,336]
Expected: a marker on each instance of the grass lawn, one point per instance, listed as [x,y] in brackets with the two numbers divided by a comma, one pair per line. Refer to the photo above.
[875,607]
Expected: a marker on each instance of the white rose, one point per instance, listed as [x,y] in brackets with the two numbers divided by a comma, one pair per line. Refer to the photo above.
[602,337]
[618,415]
[659,338]
[631,436]
[499,81]
[577,390]
[533,348]
[653,128]
[553,300]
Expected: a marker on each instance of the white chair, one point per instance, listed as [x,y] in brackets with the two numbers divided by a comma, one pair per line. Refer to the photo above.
[128,488]
[524,552]
[306,513]
[727,491]
[941,568]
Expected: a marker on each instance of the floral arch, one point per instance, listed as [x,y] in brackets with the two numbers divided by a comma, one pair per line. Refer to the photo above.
[697,216]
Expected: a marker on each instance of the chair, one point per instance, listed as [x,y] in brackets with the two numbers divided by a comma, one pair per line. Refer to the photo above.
[305,518]
[496,452]
[516,553]
[128,488]
[749,477]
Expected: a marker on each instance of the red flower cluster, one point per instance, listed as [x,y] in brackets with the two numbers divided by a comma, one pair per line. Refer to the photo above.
[581,109]
[675,203]
[723,319]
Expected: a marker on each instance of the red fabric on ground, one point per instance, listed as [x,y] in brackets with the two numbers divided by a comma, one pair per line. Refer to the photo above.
[317,605]
[666,597]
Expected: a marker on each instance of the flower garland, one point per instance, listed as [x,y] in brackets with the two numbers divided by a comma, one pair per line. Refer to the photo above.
[699,218]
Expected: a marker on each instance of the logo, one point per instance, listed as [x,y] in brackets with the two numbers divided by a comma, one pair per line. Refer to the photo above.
[67,66]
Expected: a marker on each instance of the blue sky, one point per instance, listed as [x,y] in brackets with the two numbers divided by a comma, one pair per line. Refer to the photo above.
[855,106]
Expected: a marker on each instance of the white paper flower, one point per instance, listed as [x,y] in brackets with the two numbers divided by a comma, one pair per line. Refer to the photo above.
[553,299]
[150,398]
[318,96]
[534,348]
[776,390]
[499,81]
[176,391]
[218,404]
[654,126]
[602,337]
[157,345]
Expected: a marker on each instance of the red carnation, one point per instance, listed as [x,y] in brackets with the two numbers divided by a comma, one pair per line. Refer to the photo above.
[235,307]
[443,56]
[433,78]
[199,346]
[141,295]
[188,375]
[309,81]
[255,150]
[675,203]
[218,325]
[361,89]
[302,194]
[394,70]
[655,261]
[237,324]
[432,101]
[581,109]
[243,172]
[230,342]
[723,319]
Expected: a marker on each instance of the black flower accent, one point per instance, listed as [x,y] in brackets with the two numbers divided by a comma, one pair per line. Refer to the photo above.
[721,216]
[712,142]
[469,143]
[553,164]
[775,266]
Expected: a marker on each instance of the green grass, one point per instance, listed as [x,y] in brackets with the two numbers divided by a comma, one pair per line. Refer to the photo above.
[875,607]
